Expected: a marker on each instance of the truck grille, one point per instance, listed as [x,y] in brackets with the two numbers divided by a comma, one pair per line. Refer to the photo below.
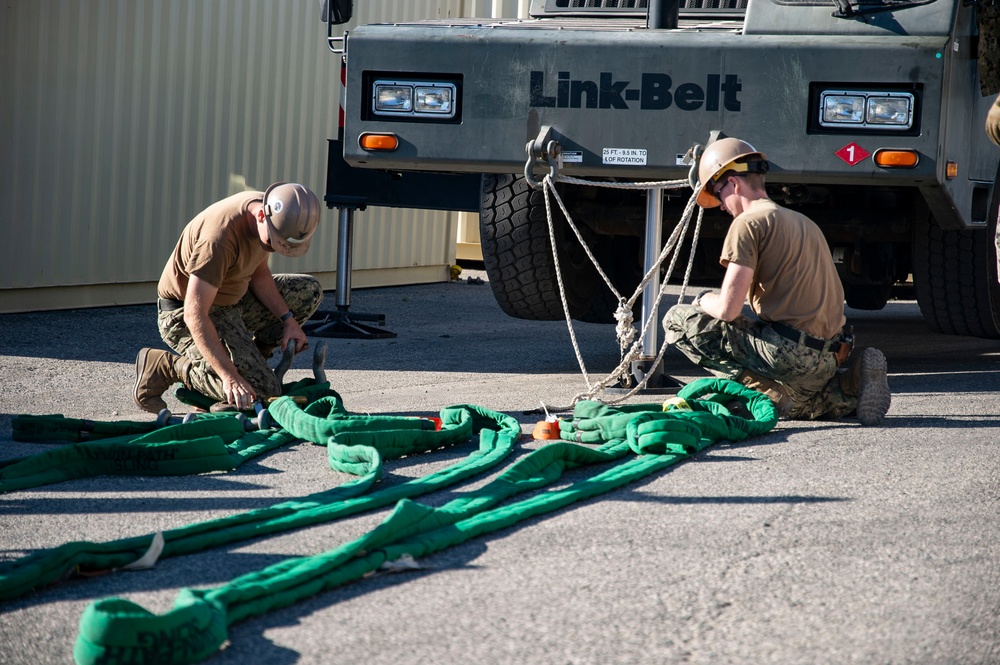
[601,4]
[638,6]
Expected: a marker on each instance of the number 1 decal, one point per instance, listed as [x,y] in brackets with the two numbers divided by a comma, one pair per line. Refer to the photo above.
[852,153]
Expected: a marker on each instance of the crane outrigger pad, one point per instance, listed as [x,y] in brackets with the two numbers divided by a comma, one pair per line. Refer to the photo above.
[346,325]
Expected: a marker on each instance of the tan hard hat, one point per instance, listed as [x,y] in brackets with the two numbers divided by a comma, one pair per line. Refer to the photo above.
[717,160]
[292,212]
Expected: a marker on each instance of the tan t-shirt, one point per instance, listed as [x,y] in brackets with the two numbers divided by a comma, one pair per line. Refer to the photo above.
[795,281]
[220,246]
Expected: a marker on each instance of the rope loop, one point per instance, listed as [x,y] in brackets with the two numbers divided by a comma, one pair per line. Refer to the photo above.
[625,330]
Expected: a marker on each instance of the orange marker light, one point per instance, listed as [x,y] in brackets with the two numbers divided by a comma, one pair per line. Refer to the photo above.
[378,141]
[951,170]
[896,159]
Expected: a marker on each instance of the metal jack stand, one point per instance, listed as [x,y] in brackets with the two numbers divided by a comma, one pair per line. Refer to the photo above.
[340,322]
[349,189]
[657,381]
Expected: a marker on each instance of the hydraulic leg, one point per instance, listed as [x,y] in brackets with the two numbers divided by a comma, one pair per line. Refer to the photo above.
[657,380]
[341,322]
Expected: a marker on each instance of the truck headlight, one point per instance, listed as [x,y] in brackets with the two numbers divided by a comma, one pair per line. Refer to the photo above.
[890,111]
[393,98]
[413,99]
[843,109]
[432,99]
[858,109]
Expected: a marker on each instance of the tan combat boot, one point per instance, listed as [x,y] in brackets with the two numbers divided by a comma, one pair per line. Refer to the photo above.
[867,379]
[155,371]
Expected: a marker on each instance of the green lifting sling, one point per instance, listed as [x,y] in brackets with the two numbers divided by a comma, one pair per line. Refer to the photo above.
[119,631]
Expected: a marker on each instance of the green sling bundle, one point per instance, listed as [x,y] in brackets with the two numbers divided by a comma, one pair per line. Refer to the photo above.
[116,630]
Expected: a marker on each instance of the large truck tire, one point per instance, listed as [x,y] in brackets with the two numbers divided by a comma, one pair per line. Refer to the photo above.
[518,256]
[867,296]
[621,258]
[955,276]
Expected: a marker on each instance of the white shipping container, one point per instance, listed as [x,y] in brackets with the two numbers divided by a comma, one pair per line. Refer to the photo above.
[121,119]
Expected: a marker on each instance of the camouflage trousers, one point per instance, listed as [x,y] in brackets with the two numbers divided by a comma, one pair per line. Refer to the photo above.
[248,331]
[802,382]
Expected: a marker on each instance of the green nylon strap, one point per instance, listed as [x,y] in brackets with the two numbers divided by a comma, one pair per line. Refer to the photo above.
[498,434]
[349,439]
[57,427]
[212,442]
[115,630]
[764,413]
[196,447]
[183,452]
[190,633]
[594,422]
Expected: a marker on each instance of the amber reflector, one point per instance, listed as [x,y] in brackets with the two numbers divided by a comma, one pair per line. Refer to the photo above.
[379,141]
[889,159]
[951,170]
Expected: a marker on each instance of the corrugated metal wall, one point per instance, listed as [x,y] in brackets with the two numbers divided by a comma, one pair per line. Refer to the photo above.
[121,119]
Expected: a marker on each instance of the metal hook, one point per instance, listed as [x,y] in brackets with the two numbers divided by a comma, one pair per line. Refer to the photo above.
[528,166]
[542,149]
[694,154]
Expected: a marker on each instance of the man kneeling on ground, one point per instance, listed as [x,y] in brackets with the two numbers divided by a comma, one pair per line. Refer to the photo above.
[221,309]
[781,260]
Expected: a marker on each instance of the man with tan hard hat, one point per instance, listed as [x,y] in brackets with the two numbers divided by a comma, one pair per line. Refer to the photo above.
[221,309]
[781,261]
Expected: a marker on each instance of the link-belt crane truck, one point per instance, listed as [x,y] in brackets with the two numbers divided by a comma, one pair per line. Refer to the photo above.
[869,111]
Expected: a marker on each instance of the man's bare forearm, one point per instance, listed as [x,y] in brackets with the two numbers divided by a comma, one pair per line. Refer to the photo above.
[263,287]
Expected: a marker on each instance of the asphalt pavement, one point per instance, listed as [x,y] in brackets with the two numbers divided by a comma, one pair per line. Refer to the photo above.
[818,542]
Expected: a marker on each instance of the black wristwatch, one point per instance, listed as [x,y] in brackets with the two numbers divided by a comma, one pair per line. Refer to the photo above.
[287,315]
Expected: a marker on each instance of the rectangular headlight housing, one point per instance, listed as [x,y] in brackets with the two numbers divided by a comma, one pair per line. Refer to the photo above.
[890,110]
[413,99]
[436,99]
[842,109]
[871,109]
[391,98]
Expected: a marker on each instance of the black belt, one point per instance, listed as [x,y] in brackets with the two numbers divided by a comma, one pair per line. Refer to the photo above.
[168,304]
[796,335]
